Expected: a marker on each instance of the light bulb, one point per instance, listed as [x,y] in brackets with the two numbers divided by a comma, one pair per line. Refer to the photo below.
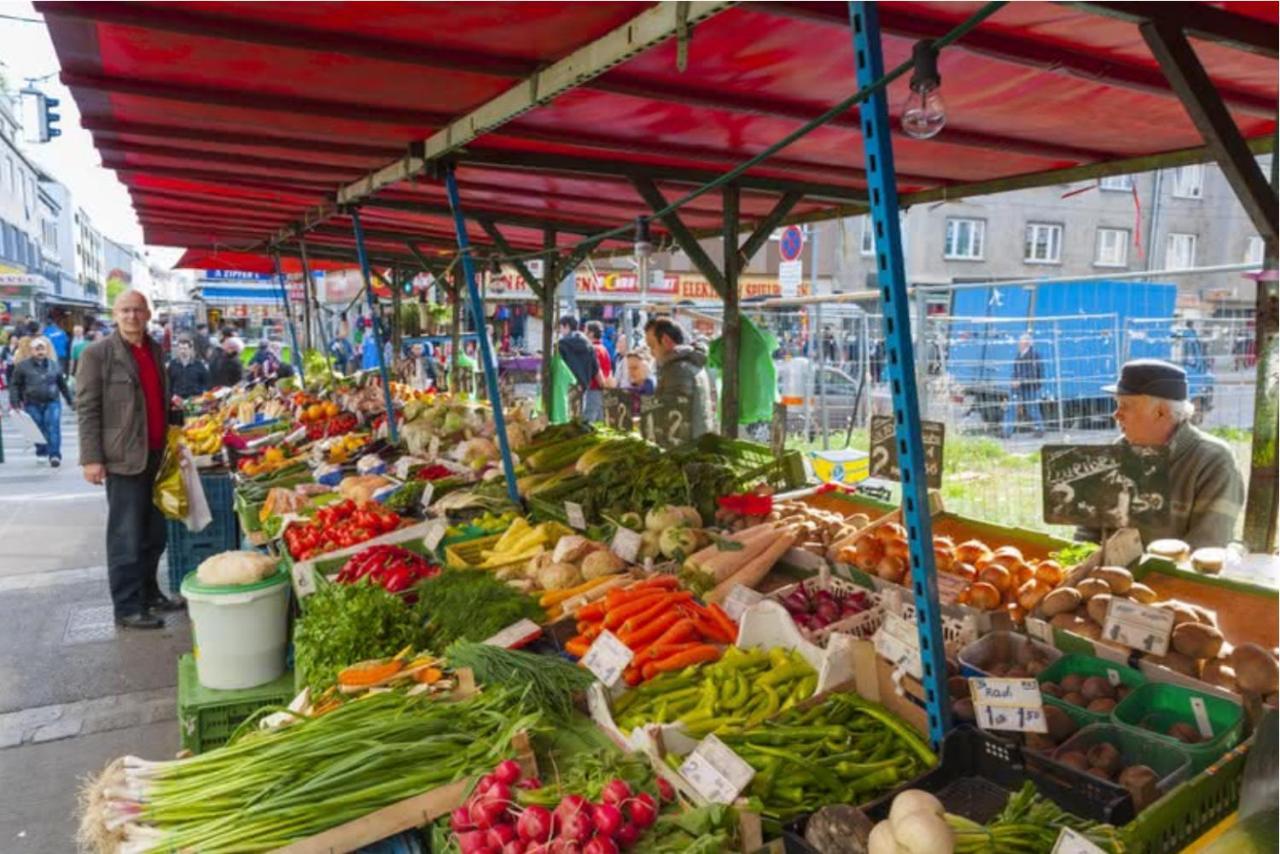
[924,114]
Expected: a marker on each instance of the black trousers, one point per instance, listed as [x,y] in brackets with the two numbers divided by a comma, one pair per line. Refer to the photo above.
[135,538]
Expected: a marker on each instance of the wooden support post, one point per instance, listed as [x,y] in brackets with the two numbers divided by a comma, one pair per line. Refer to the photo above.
[397,330]
[1262,503]
[683,236]
[547,296]
[731,374]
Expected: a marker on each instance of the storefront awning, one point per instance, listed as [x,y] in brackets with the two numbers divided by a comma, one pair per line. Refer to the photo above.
[239,295]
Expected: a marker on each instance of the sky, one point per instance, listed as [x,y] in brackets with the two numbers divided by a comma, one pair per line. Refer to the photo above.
[71,158]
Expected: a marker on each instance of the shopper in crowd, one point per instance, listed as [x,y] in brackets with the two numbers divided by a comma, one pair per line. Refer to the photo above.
[639,378]
[201,342]
[188,373]
[620,349]
[226,369]
[78,342]
[1028,379]
[681,371]
[593,399]
[343,353]
[417,369]
[60,343]
[37,384]
[123,404]
[580,357]
[8,347]
[1206,491]
[265,362]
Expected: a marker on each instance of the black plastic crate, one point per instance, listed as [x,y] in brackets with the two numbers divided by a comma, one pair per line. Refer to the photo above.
[188,549]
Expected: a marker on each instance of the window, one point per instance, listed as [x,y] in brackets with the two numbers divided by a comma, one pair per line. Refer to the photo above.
[1188,181]
[1043,244]
[1113,247]
[11,176]
[1180,252]
[964,239]
[8,239]
[868,236]
[1122,183]
[1253,253]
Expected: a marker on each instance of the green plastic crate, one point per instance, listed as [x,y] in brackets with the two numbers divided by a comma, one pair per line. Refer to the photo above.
[1190,808]
[207,718]
[1087,666]
[1161,706]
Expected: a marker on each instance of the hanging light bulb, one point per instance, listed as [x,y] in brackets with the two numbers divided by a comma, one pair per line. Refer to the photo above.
[644,245]
[924,114]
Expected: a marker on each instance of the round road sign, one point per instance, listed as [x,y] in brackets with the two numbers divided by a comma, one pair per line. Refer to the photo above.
[791,243]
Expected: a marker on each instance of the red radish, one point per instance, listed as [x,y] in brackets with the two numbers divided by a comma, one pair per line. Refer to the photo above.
[600,844]
[534,824]
[577,827]
[483,784]
[508,771]
[564,846]
[665,790]
[607,818]
[570,805]
[642,810]
[473,842]
[515,846]
[615,791]
[627,835]
[529,783]
[500,834]
[487,812]
[499,791]
[460,820]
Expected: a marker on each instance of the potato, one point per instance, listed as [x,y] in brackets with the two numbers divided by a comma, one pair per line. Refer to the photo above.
[1119,578]
[1074,759]
[1098,606]
[1091,587]
[1059,602]
[1197,640]
[1176,662]
[1102,704]
[1142,593]
[1073,698]
[1218,672]
[1184,732]
[1089,629]
[1097,687]
[1030,593]
[970,551]
[1050,572]
[1051,689]
[1141,783]
[1255,669]
[1038,742]
[1101,773]
[1182,612]
[1071,682]
[1106,756]
[962,709]
[1204,615]
[1059,723]
[1063,621]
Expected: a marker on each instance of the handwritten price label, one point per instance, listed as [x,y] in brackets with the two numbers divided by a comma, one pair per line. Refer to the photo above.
[435,533]
[1138,626]
[1008,704]
[607,658]
[717,773]
[428,493]
[898,642]
[573,512]
[626,544]
[1072,842]
[517,634]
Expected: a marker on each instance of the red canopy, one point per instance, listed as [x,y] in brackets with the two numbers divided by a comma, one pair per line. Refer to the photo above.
[249,262]
[226,121]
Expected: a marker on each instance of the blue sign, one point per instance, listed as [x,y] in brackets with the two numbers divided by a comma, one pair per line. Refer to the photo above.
[792,243]
[239,275]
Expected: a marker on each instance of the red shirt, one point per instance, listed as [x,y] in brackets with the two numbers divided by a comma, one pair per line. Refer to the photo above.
[602,358]
[152,393]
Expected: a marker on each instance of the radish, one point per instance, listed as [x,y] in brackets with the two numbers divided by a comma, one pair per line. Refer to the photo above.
[615,792]
[472,842]
[642,810]
[627,835]
[515,846]
[607,819]
[500,834]
[483,784]
[534,824]
[666,791]
[577,827]
[508,771]
[460,820]
[600,844]
[500,792]
[564,846]
[569,805]
[529,783]
[486,812]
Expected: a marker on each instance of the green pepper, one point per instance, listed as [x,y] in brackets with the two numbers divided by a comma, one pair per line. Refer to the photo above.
[779,734]
[741,692]
[773,701]
[876,780]
[856,769]
[785,673]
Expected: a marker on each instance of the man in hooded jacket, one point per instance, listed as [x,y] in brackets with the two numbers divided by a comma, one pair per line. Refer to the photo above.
[578,352]
[682,371]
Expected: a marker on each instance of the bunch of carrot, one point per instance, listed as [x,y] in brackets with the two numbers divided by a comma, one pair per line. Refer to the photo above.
[660,623]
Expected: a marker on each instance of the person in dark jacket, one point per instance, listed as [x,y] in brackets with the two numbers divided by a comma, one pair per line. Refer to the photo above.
[578,352]
[682,372]
[226,369]
[188,374]
[37,382]
[1028,378]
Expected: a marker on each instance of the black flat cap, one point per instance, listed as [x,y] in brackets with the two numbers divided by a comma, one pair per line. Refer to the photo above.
[1151,376]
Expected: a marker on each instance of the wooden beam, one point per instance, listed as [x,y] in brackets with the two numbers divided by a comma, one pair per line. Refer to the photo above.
[765,227]
[495,234]
[684,238]
[1195,89]
[547,297]
[731,373]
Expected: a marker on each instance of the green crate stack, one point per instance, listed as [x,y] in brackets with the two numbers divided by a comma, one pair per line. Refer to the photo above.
[207,718]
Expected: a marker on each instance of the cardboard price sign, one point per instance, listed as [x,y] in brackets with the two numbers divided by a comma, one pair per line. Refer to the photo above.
[607,658]
[1138,626]
[740,598]
[716,772]
[898,642]
[574,513]
[617,409]
[884,450]
[516,635]
[436,529]
[666,421]
[1105,486]
[1008,704]
[626,544]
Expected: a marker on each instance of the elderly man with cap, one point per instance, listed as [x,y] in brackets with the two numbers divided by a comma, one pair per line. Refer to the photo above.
[1206,491]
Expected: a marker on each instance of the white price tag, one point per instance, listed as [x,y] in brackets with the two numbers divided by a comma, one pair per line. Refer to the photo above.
[577,519]
[716,772]
[1202,717]
[1008,704]
[433,447]
[897,641]
[740,598]
[1040,630]
[607,658]
[1138,626]
[435,533]
[1113,676]
[517,634]
[304,579]
[296,436]
[1073,842]
[626,544]
[428,493]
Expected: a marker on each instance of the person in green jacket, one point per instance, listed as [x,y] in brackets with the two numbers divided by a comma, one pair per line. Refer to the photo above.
[562,381]
[757,376]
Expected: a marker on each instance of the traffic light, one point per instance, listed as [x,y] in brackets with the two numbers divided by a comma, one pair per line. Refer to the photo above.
[38,117]
[49,119]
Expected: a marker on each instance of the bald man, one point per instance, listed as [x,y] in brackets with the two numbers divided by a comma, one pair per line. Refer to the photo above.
[122,402]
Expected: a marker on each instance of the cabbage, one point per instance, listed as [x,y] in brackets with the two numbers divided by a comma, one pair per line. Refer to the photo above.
[601,563]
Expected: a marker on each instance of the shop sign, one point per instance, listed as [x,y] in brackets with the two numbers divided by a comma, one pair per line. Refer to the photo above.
[1008,704]
[617,409]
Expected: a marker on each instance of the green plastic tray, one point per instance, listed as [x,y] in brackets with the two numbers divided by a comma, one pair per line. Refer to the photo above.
[207,718]
[1086,666]
[1163,705]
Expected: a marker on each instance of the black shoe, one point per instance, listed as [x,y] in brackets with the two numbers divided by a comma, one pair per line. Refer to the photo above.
[140,621]
[55,461]
[164,604]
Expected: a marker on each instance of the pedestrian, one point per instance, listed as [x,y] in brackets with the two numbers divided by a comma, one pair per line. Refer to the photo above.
[343,352]
[1028,378]
[265,363]
[579,356]
[7,351]
[682,372]
[639,375]
[188,373]
[78,343]
[226,369]
[59,341]
[201,342]
[417,369]
[593,399]
[37,383]
[124,413]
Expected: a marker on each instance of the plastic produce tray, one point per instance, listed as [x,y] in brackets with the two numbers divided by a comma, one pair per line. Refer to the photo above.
[1087,666]
[861,626]
[1165,705]
[977,657]
[207,718]
[188,549]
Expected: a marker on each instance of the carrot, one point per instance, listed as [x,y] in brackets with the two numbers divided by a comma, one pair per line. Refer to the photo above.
[577,646]
[633,676]
[641,588]
[619,615]
[647,672]
[593,611]
[554,597]
[710,629]
[663,605]
[725,622]
[593,631]
[685,658]
[665,650]
[753,571]
[651,630]
[679,632]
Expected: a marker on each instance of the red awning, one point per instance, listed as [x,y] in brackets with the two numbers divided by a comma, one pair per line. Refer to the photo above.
[248,262]
[226,121]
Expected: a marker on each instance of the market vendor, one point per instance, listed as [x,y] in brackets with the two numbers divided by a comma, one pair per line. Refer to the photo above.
[682,371]
[1206,490]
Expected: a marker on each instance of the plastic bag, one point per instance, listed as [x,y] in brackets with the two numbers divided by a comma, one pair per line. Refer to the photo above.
[169,493]
[757,375]
[198,515]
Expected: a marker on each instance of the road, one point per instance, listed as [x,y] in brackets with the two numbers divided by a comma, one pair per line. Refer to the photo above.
[74,691]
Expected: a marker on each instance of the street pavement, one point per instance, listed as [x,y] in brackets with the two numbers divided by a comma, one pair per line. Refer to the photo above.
[75,692]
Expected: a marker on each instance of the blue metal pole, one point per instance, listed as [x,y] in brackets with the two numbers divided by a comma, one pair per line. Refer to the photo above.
[372,301]
[288,316]
[486,350]
[900,360]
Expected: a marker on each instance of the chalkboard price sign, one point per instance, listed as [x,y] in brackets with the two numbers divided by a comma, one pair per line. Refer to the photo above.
[1105,486]
[884,450]
[666,421]
[617,409]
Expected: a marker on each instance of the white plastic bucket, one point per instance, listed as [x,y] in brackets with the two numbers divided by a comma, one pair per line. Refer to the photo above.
[239,631]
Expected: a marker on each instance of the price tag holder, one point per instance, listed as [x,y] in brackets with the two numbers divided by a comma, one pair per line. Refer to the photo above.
[1008,704]
[1201,715]
[577,518]
[626,544]
[516,635]
[740,598]
[433,447]
[717,773]
[435,533]
[898,642]
[607,658]
[428,493]
[1073,842]
[1138,626]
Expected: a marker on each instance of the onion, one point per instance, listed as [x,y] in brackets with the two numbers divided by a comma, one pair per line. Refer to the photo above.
[923,832]
[827,612]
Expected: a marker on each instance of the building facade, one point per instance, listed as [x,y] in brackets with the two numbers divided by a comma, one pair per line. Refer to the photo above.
[91,264]
[22,259]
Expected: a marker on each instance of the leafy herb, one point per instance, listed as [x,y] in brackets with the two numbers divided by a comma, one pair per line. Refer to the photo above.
[703,830]
[1073,554]
[407,497]
[549,683]
[469,604]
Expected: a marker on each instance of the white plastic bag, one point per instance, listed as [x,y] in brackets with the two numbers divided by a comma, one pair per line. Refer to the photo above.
[198,513]
[28,428]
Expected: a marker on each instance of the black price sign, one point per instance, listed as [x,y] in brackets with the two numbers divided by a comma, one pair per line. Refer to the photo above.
[884,450]
[778,430]
[1105,486]
[666,421]
[617,409]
